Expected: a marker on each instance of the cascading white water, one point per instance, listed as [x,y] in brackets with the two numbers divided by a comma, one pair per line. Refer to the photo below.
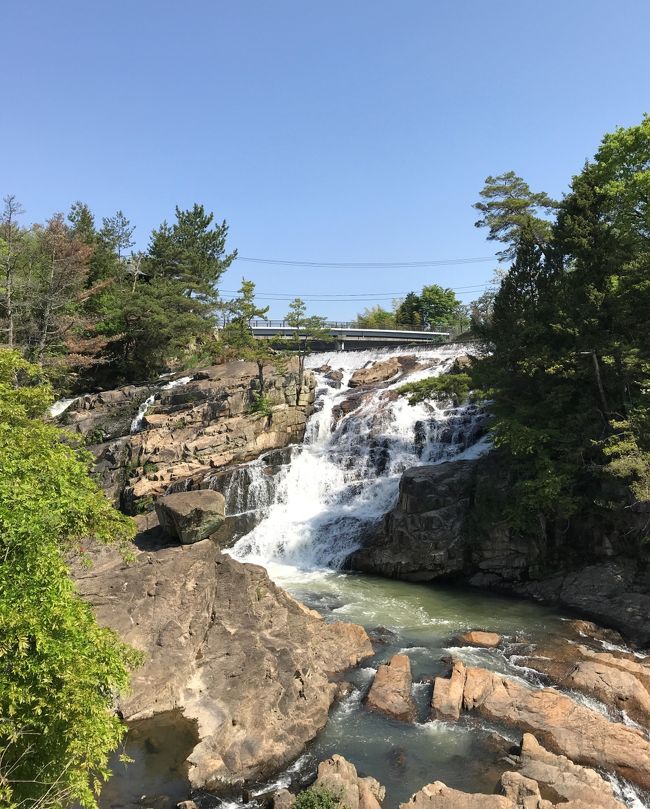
[346,474]
[138,420]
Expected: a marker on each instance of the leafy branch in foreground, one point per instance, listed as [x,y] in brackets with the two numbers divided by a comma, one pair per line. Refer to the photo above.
[59,670]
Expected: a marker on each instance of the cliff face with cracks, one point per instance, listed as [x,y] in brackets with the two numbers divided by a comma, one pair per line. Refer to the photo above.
[446,525]
[187,428]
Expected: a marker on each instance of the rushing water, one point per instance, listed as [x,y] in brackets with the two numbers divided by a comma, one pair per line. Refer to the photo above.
[309,510]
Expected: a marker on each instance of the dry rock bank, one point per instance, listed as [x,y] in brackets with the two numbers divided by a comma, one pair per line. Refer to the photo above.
[190,428]
[237,655]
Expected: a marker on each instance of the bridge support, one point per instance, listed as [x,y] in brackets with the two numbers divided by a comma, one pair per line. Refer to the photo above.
[340,345]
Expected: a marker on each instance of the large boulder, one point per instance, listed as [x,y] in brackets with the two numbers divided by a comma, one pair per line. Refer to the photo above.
[340,777]
[390,692]
[480,638]
[191,516]
[247,663]
[376,373]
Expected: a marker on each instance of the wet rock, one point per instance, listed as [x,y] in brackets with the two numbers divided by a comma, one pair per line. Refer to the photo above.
[477,637]
[191,516]
[283,799]
[238,656]
[561,724]
[381,634]
[566,780]
[390,692]
[619,679]
[447,697]
[187,805]
[376,373]
[343,690]
[340,777]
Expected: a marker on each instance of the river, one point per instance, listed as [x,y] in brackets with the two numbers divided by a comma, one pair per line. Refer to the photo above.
[309,513]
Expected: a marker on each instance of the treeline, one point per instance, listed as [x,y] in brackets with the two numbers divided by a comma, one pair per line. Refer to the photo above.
[434,307]
[76,300]
[569,328]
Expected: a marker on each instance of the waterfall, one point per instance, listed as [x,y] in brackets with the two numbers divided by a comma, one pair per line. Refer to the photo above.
[136,424]
[346,474]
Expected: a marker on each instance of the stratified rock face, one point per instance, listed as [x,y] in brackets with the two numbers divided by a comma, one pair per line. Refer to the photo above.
[191,516]
[422,538]
[561,724]
[440,796]
[390,692]
[189,430]
[226,646]
[340,777]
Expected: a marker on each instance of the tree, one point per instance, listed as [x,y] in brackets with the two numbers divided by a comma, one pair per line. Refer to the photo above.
[307,330]
[82,223]
[508,204]
[408,312]
[238,334]
[439,306]
[191,252]
[58,669]
[117,232]
[376,318]
[11,235]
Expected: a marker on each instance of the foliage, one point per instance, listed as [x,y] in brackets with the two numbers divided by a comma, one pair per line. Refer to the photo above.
[375,318]
[318,797]
[58,668]
[506,205]
[446,386]
[308,329]
[260,403]
[569,373]
[434,306]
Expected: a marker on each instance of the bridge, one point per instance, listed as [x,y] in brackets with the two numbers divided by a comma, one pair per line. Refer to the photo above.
[351,336]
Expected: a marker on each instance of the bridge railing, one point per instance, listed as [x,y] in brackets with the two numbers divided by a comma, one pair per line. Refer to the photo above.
[452,330]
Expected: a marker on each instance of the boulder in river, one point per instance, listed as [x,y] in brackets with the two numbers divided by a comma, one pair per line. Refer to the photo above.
[191,516]
[340,777]
[478,637]
[390,692]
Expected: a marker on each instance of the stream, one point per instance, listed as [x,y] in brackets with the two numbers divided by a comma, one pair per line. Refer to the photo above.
[309,510]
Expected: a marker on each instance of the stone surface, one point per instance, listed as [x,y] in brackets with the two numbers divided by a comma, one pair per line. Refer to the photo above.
[566,780]
[390,692]
[447,697]
[439,796]
[237,655]
[283,799]
[376,373]
[341,777]
[191,516]
[188,431]
[560,724]
[478,637]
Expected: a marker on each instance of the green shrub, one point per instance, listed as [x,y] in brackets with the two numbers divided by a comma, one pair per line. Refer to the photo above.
[260,404]
[318,798]
[448,386]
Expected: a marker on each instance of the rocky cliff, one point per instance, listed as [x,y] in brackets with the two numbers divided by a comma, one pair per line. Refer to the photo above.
[446,525]
[249,665]
[146,438]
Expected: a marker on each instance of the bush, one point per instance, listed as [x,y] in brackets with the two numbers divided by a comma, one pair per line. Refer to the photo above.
[59,670]
[448,386]
[318,798]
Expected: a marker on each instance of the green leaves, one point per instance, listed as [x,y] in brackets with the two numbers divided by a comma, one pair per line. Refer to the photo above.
[58,668]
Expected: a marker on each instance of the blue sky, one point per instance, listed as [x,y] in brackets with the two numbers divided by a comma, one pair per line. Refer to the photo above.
[353,131]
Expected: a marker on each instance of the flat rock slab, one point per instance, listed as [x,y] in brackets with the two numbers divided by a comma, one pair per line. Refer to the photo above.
[191,516]
[478,637]
[390,692]
[231,650]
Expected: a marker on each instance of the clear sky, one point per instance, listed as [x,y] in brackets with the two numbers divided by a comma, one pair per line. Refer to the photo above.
[342,131]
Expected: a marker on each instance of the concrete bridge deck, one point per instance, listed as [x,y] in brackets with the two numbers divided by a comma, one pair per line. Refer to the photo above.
[349,334]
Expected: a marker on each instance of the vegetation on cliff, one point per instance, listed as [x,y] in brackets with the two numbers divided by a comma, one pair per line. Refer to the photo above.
[569,372]
[58,669]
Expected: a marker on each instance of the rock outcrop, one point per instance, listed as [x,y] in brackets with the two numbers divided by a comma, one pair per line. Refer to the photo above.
[390,692]
[382,371]
[559,722]
[446,525]
[188,428]
[478,637]
[191,516]
[237,655]
[340,777]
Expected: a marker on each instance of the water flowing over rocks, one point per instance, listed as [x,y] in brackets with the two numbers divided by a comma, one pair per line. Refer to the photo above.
[237,655]
[147,438]
[390,692]
[559,722]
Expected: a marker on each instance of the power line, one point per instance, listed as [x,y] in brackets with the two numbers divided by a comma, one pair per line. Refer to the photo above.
[351,297]
[367,264]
